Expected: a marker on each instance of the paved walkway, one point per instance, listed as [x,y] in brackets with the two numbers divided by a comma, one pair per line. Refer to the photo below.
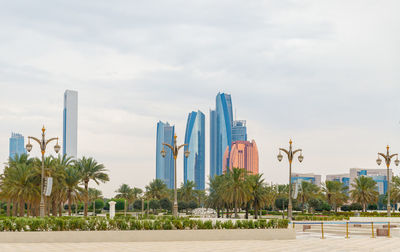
[333,244]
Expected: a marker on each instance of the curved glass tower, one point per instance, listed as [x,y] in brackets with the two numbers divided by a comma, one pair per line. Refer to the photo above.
[194,165]
[221,132]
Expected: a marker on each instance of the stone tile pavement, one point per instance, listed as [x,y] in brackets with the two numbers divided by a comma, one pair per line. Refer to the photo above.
[332,244]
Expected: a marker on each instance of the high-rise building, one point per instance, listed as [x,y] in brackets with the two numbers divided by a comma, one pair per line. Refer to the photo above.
[378,175]
[165,165]
[242,154]
[194,165]
[17,145]
[220,132]
[70,124]
[239,130]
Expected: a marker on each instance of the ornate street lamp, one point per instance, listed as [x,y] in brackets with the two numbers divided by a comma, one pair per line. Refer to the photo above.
[290,154]
[175,149]
[388,159]
[43,144]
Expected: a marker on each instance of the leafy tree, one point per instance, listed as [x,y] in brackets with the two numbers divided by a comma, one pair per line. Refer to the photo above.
[166,204]
[94,194]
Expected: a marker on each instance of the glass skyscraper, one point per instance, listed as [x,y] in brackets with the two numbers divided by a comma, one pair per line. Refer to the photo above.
[194,165]
[70,124]
[165,166]
[220,132]
[239,131]
[17,145]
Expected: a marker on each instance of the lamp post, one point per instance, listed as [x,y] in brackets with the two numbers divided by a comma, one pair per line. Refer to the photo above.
[290,154]
[43,144]
[175,149]
[388,159]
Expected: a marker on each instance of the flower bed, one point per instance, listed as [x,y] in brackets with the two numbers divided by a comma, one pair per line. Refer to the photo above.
[129,223]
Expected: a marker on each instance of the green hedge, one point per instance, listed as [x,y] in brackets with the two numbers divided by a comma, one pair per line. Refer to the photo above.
[129,223]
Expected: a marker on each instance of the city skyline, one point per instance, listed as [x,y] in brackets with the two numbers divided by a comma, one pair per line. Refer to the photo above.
[320,73]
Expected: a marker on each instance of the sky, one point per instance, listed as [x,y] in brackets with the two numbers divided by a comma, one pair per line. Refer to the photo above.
[324,73]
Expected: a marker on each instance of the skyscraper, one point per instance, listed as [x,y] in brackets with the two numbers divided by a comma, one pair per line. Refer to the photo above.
[194,165]
[239,131]
[221,132]
[165,166]
[243,154]
[70,124]
[17,145]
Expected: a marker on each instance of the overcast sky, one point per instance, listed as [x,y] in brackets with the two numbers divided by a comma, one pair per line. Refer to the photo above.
[325,73]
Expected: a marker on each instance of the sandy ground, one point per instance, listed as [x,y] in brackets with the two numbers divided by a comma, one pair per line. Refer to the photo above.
[314,244]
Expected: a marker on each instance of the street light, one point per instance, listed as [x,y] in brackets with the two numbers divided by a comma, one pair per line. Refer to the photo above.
[175,149]
[388,159]
[43,144]
[290,154]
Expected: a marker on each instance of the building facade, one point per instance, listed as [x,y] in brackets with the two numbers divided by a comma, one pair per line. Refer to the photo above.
[165,165]
[378,175]
[17,145]
[242,154]
[343,178]
[239,130]
[220,132]
[194,165]
[70,124]
[297,178]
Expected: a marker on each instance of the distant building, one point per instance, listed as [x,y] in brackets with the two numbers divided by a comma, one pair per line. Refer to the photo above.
[17,145]
[378,175]
[194,165]
[70,124]
[165,166]
[239,131]
[220,132]
[309,177]
[242,154]
[343,178]
[297,178]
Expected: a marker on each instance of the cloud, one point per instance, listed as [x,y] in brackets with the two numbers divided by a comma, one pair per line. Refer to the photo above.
[324,73]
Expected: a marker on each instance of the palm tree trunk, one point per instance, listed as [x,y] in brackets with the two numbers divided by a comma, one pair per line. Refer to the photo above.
[94,208]
[255,211]
[53,208]
[86,197]
[8,207]
[236,208]
[14,208]
[69,203]
[124,207]
[247,211]
[60,206]
[21,208]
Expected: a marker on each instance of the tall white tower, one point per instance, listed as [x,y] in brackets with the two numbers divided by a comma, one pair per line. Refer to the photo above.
[70,123]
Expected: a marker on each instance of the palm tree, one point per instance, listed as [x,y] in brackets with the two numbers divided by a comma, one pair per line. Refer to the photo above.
[187,190]
[306,192]
[364,191]
[124,192]
[215,189]
[91,170]
[395,190]
[94,194]
[73,177]
[257,192]
[235,191]
[335,192]
[157,189]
